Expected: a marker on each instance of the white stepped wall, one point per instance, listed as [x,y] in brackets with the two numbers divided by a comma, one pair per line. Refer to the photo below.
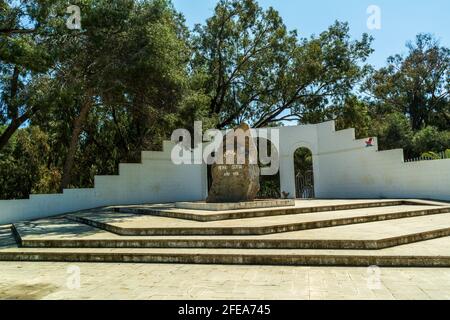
[154,180]
[345,168]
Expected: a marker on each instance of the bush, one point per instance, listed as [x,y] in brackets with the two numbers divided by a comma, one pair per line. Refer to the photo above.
[395,132]
[435,156]
[430,139]
[23,165]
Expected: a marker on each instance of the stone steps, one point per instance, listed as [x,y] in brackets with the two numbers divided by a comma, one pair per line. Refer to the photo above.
[308,206]
[64,233]
[406,234]
[237,243]
[409,256]
[139,225]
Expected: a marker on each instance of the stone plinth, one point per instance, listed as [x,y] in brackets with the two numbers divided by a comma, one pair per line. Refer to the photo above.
[235,205]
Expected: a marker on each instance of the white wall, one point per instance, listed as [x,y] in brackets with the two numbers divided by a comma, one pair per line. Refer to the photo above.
[156,179]
[343,168]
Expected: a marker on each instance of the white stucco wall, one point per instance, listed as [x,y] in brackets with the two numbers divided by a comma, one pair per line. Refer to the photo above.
[343,168]
[156,179]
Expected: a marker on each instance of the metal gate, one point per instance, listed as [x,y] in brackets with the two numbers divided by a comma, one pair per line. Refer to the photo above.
[304,185]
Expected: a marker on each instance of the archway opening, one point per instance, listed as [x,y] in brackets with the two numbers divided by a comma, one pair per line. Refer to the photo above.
[269,185]
[304,174]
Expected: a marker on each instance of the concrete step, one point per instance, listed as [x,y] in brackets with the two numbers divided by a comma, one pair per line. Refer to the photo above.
[432,253]
[143,225]
[64,233]
[301,206]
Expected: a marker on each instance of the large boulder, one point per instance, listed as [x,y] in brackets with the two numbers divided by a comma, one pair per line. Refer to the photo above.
[239,180]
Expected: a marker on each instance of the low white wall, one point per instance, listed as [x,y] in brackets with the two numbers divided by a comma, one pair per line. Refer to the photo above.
[156,179]
[367,173]
[345,168]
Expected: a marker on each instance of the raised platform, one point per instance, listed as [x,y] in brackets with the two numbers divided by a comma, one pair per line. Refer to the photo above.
[147,225]
[258,204]
[313,232]
[301,206]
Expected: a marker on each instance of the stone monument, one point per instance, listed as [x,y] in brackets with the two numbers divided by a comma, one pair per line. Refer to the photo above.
[235,175]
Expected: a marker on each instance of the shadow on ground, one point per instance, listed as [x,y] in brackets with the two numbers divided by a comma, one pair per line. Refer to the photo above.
[27,291]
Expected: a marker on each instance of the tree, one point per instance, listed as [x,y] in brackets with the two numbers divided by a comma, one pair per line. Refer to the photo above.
[110,90]
[129,55]
[394,132]
[23,168]
[354,113]
[431,139]
[25,55]
[416,85]
[256,70]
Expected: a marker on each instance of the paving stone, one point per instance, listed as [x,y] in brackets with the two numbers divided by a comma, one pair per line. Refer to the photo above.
[97,287]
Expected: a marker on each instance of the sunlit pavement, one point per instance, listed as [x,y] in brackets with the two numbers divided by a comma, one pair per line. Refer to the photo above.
[37,280]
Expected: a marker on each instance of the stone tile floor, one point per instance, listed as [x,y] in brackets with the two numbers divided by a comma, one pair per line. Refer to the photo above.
[51,280]
[37,280]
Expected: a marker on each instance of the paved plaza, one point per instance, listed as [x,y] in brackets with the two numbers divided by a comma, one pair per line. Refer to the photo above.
[414,234]
[42,280]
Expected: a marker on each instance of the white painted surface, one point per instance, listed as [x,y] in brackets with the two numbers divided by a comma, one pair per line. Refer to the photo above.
[156,179]
[343,168]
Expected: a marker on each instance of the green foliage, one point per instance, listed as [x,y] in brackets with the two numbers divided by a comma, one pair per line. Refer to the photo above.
[435,156]
[416,85]
[255,70]
[23,167]
[354,114]
[394,132]
[269,187]
[19,26]
[303,161]
[431,139]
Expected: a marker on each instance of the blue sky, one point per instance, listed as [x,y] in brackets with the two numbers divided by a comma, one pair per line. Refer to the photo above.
[401,20]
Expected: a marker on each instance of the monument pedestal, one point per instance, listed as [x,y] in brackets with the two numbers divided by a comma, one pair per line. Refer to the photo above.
[257,204]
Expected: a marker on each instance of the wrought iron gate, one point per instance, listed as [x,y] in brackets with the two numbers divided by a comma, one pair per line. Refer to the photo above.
[304,185]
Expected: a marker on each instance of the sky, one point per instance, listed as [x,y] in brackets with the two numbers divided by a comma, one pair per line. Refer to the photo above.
[401,20]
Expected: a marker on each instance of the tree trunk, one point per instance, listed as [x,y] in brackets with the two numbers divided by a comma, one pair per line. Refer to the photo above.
[17,121]
[77,127]
[12,128]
